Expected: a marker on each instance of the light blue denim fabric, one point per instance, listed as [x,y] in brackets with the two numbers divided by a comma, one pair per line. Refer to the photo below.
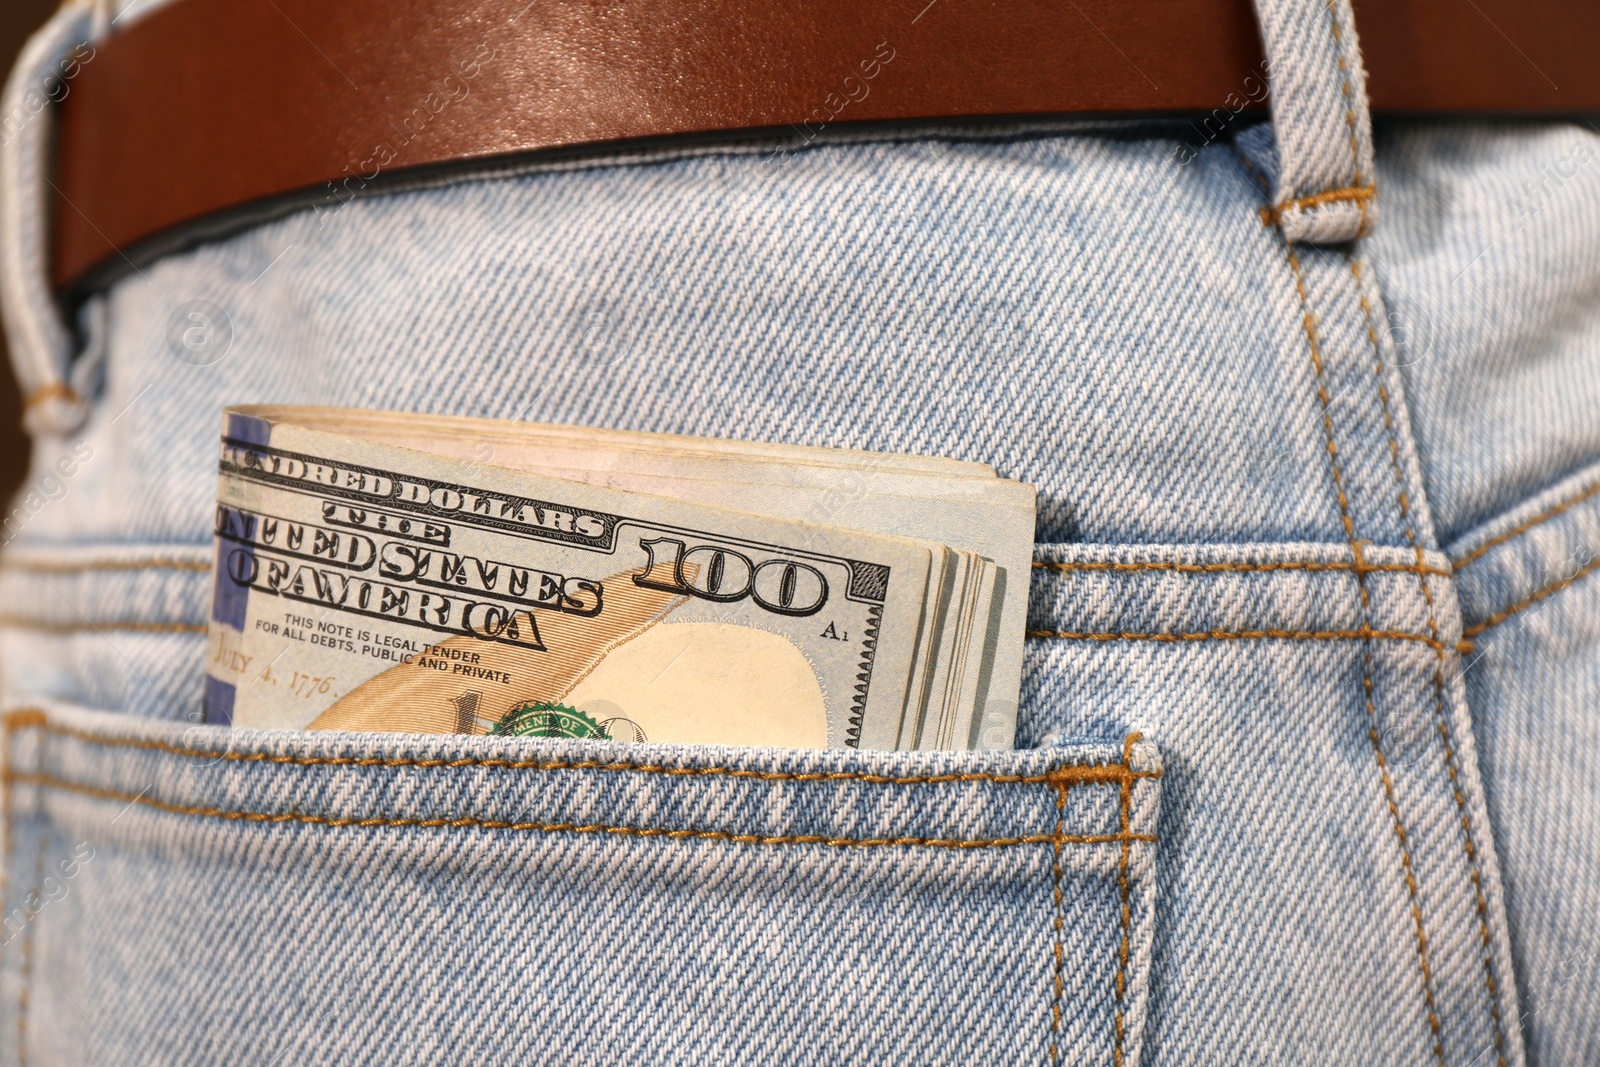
[1533,681]
[427,900]
[1489,254]
[1266,469]
[1325,191]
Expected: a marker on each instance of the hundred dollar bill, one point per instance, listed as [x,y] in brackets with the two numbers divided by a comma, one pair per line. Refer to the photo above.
[361,584]
[957,502]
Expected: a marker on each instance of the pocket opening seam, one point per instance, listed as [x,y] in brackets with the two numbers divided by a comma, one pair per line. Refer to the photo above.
[1123,775]
[1363,633]
[474,822]
[1063,776]
[1359,567]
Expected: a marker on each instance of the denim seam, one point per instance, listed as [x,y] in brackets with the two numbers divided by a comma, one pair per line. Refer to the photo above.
[1207,568]
[1517,531]
[1309,323]
[1365,633]
[473,822]
[1358,194]
[51,391]
[1263,185]
[44,567]
[1349,114]
[1124,778]
[18,622]
[25,983]
[1060,925]
[1064,776]
[1061,778]
[7,740]
[1122,882]
[1468,845]
[1544,592]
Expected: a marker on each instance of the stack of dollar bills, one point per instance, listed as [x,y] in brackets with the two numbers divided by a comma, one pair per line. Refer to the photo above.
[429,574]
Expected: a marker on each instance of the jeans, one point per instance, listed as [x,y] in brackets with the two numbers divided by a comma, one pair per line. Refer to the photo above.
[1306,761]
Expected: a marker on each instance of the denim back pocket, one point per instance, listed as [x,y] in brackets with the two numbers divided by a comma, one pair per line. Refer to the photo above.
[195,895]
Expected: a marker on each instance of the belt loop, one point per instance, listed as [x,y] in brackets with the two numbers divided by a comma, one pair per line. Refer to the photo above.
[40,340]
[1322,123]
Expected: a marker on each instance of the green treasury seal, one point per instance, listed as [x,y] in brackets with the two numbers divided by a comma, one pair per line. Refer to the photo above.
[544,719]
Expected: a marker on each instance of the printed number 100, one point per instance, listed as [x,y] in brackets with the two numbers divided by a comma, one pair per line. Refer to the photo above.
[712,572]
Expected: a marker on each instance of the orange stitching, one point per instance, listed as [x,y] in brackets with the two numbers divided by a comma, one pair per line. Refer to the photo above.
[53,391]
[1308,323]
[1269,216]
[1359,194]
[35,718]
[1366,681]
[473,822]
[1254,173]
[1061,922]
[44,567]
[1365,633]
[131,626]
[1517,531]
[1528,601]
[1122,879]
[1438,672]
[1060,776]
[1201,568]
[1271,213]
[1349,106]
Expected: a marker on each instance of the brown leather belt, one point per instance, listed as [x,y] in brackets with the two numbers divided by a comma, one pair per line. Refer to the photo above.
[209,105]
